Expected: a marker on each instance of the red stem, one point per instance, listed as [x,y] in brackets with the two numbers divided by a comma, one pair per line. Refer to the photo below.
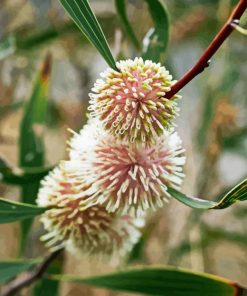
[240,291]
[204,60]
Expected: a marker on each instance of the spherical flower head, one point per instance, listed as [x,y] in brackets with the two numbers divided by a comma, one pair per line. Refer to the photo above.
[132,103]
[132,178]
[74,223]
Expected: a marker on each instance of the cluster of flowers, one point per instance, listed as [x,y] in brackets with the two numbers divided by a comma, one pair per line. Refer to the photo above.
[120,164]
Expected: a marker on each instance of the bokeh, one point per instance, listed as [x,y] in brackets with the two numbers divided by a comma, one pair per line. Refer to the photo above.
[212,124]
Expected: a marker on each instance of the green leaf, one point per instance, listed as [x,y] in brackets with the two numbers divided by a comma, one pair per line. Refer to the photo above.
[161,281]
[7,47]
[48,287]
[40,37]
[31,153]
[10,269]
[137,253]
[11,211]
[121,10]
[156,40]
[20,176]
[8,108]
[82,14]
[31,148]
[28,41]
[19,42]
[236,194]
[190,201]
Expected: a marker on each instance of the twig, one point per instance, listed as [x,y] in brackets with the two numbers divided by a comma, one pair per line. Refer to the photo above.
[204,60]
[28,278]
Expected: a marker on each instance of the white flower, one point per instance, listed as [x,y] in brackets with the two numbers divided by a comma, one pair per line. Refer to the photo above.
[131,178]
[132,103]
[79,225]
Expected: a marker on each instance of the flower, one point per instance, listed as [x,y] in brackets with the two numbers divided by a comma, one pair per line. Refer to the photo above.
[78,225]
[131,178]
[132,103]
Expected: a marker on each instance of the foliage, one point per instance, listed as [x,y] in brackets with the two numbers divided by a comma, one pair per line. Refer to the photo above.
[81,13]
[156,40]
[121,9]
[236,194]
[13,211]
[20,176]
[10,269]
[32,158]
[31,147]
[161,281]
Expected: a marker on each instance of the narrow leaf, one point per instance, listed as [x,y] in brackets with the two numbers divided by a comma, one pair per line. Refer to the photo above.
[32,125]
[31,153]
[9,108]
[82,14]
[239,29]
[46,286]
[10,269]
[21,176]
[162,281]
[156,40]
[190,201]
[137,251]
[42,36]
[11,211]
[236,194]
[121,10]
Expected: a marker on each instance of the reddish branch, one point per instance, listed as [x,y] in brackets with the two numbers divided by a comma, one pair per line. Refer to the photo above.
[29,277]
[204,60]
[240,291]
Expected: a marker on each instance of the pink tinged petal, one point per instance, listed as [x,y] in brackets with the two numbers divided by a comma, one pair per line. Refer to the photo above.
[139,89]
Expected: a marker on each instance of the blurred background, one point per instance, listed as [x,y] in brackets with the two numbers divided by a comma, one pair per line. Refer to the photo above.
[212,124]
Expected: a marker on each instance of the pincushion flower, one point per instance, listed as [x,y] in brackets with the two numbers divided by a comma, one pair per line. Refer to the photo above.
[80,226]
[132,178]
[132,103]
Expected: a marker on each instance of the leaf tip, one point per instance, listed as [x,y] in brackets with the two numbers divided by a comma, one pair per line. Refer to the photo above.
[46,68]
